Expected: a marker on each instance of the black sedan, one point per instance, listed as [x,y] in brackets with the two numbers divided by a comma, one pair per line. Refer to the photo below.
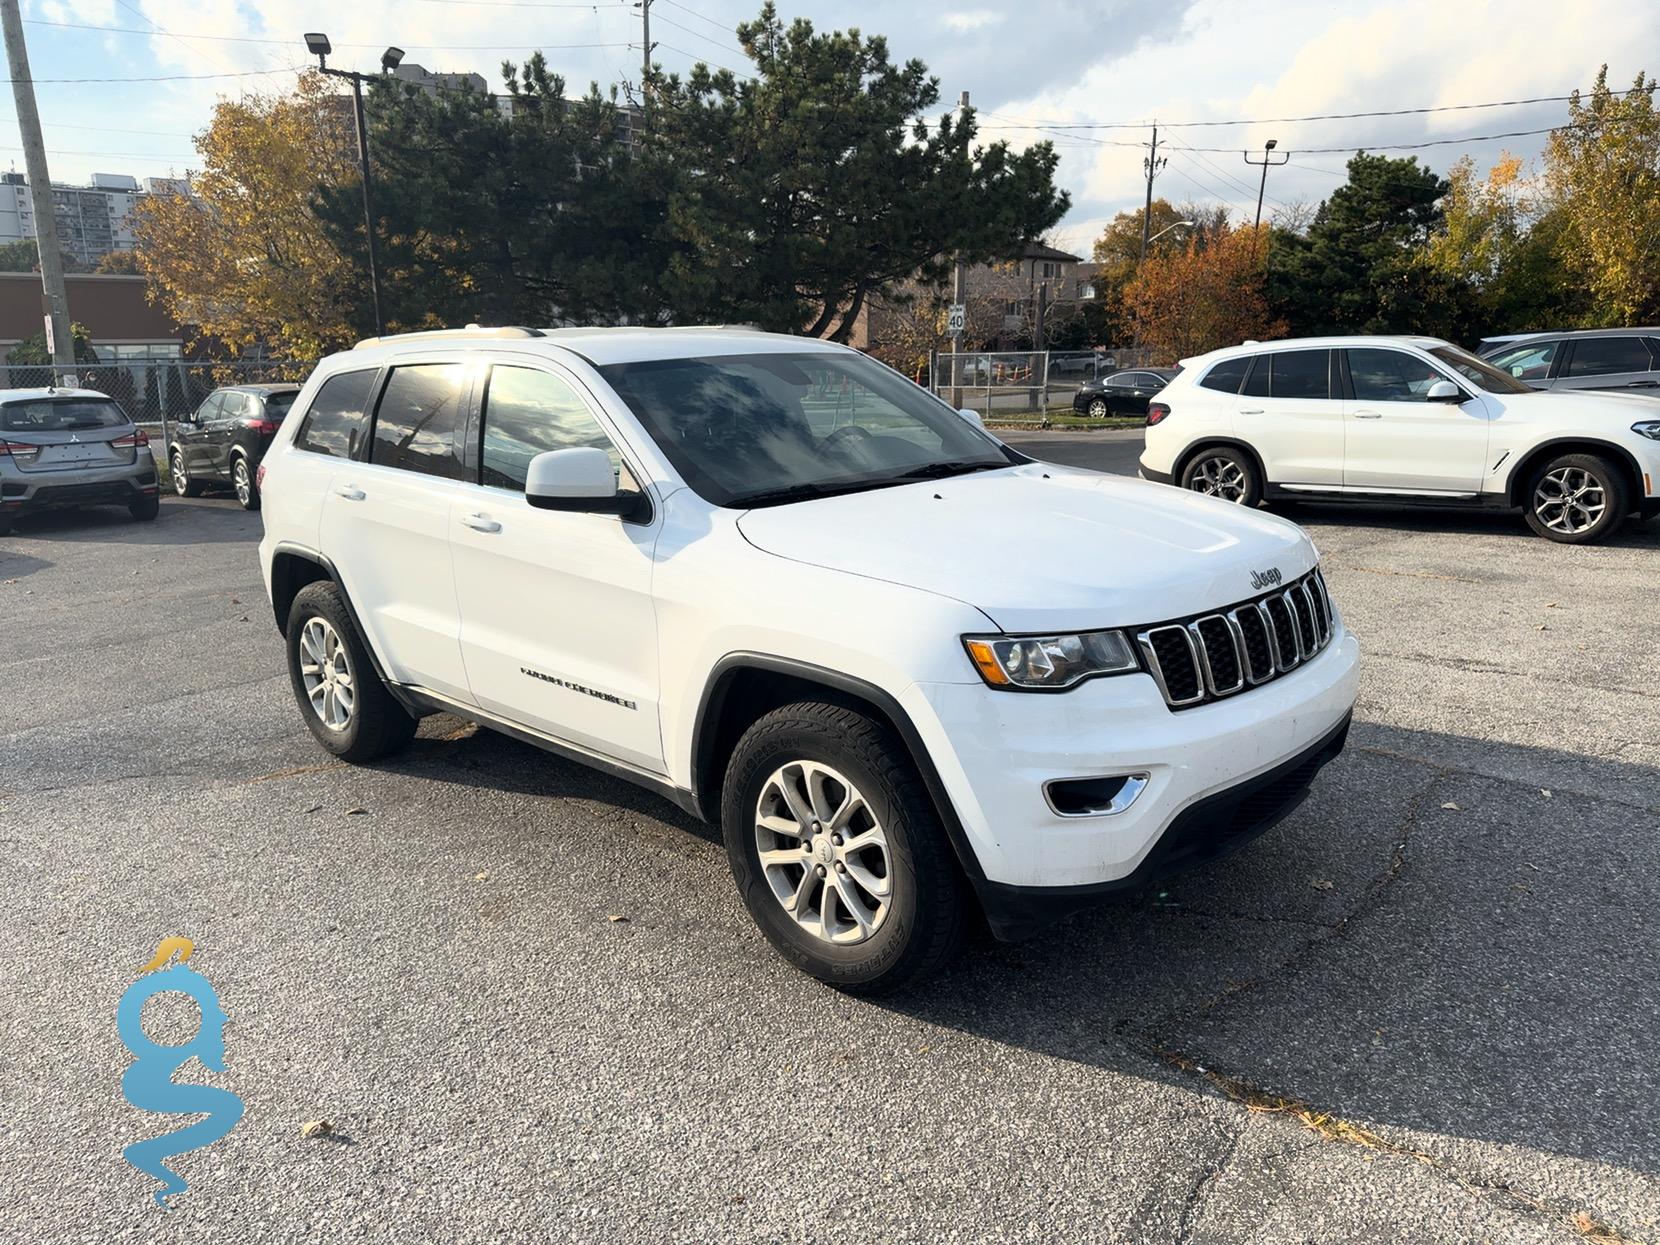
[222,441]
[1121,393]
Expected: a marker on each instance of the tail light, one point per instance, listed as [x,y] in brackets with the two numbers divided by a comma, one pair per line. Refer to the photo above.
[264,426]
[21,452]
[259,477]
[1156,412]
[132,440]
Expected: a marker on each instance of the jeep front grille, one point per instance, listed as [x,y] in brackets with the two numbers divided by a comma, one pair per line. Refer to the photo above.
[1209,656]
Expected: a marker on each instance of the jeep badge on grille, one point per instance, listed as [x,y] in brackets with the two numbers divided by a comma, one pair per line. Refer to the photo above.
[1269,578]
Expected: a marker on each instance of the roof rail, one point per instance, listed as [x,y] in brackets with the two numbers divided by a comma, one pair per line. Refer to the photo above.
[472,332]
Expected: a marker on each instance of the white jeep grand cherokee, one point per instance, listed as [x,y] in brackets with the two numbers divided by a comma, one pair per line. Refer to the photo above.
[912,672]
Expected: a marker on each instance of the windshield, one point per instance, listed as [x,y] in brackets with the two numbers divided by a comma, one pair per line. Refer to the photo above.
[759,429]
[277,404]
[1478,371]
[61,415]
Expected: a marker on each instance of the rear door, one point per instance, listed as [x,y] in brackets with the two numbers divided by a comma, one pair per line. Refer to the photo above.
[558,626]
[332,431]
[385,522]
[1398,440]
[1289,411]
[1607,363]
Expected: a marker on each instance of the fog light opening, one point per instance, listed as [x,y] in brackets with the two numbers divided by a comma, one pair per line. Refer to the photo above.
[1094,797]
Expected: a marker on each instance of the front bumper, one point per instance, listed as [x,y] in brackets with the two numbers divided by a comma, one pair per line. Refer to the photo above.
[994,752]
[1081,401]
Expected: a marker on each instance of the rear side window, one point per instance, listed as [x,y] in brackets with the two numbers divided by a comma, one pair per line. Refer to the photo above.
[60,415]
[1603,356]
[334,424]
[1226,375]
[1390,376]
[416,420]
[526,413]
[1301,374]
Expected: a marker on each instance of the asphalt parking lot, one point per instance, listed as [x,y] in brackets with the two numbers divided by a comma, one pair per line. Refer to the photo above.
[1422,1009]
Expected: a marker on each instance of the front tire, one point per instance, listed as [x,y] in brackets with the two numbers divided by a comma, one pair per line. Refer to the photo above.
[343,701]
[242,480]
[1224,472]
[183,484]
[1576,499]
[838,852]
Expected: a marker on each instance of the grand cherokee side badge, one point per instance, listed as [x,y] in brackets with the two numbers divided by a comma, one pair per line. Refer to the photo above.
[1269,578]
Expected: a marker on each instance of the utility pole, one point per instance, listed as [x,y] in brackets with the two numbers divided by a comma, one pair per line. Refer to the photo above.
[1267,159]
[40,192]
[1152,164]
[959,291]
[645,43]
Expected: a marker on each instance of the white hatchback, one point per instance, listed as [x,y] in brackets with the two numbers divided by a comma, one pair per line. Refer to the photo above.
[1409,419]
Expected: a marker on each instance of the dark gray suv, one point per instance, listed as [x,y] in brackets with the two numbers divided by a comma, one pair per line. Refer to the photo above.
[1584,359]
[71,447]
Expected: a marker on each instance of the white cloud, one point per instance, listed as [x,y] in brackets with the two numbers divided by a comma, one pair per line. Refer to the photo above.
[971,19]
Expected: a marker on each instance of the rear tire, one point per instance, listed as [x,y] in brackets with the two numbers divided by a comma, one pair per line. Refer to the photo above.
[242,480]
[1098,409]
[1223,472]
[343,701]
[890,906]
[183,485]
[146,508]
[1575,499]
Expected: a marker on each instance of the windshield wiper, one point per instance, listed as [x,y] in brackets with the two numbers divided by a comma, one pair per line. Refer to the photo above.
[802,492]
[938,471]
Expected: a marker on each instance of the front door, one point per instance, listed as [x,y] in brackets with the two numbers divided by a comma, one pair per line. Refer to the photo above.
[386,525]
[192,436]
[558,628]
[1400,441]
[1289,412]
[218,432]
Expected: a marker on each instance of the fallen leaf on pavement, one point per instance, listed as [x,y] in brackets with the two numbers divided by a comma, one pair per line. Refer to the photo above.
[1451,807]
[481,877]
[1545,791]
[356,812]
[614,917]
[316,1128]
[1322,884]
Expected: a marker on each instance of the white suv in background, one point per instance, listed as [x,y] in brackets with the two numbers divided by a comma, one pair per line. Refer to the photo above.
[1411,419]
[910,671]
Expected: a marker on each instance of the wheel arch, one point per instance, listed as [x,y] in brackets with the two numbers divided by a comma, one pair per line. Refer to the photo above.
[1207,443]
[292,568]
[744,686]
[1536,457]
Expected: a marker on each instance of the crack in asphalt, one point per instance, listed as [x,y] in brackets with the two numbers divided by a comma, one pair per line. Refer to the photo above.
[1196,1195]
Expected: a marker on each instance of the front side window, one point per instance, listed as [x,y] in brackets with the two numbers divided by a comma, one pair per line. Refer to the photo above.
[1478,372]
[60,415]
[761,429]
[1529,362]
[416,420]
[1390,376]
[528,412]
[209,410]
[1226,375]
[1604,356]
[334,424]
[1300,374]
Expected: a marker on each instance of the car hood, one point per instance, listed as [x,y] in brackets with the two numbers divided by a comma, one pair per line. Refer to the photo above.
[1039,547]
[1546,404]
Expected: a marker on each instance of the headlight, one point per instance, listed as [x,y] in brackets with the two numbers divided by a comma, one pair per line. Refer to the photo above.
[1649,428]
[1049,661]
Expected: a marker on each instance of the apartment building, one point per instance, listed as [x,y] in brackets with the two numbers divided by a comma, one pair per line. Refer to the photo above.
[93,220]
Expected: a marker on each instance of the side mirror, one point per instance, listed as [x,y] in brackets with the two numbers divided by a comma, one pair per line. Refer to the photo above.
[578,480]
[973,417]
[1444,391]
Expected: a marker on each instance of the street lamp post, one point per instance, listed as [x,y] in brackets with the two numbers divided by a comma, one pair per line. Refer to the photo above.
[1267,159]
[1178,225]
[320,47]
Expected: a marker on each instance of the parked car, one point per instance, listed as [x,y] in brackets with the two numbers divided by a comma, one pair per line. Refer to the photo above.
[1121,393]
[1587,359]
[71,447]
[223,440]
[1409,419]
[629,547]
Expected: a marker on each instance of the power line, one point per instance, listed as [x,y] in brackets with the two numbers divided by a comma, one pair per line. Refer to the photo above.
[106,129]
[1345,150]
[698,34]
[694,56]
[178,77]
[721,26]
[408,47]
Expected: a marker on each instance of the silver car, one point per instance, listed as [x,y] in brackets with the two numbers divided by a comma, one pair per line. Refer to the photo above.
[1583,359]
[71,447]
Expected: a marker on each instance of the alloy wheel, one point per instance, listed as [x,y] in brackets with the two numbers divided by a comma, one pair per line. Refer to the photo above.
[1218,477]
[823,853]
[1098,409]
[1570,500]
[326,671]
[175,468]
[243,482]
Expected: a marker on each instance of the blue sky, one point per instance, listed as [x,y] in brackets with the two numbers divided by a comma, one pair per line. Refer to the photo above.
[1043,63]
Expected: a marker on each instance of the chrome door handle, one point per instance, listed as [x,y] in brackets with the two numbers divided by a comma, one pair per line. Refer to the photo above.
[1368,414]
[480,523]
[1643,384]
[1255,410]
[351,492]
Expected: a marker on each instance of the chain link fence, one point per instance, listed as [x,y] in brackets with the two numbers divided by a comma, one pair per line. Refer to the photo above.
[153,390]
[1022,385]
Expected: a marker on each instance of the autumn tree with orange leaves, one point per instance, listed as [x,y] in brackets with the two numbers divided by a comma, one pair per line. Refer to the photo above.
[1200,298]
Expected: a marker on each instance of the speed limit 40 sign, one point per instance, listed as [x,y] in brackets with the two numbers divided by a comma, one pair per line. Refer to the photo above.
[956,319]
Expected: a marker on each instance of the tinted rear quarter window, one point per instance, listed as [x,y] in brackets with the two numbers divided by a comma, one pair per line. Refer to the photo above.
[416,420]
[277,404]
[334,424]
[1603,356]
[1226,375]
[1301,374]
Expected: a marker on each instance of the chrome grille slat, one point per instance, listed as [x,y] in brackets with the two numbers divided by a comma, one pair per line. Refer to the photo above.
[1222,653]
